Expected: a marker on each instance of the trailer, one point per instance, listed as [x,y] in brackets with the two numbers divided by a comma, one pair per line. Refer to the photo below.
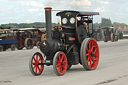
[7,40]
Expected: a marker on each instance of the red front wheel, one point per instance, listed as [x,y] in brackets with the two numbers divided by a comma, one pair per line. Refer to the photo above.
[89,54]
[60,63]
[35,64]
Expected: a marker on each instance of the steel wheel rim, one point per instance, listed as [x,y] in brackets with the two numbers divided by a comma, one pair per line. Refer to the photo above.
[36,63]
[92,54]
[61,63]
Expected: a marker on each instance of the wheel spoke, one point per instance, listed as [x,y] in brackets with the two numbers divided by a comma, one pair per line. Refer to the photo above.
[34,67]
[57,60]
[93,46]
[39,68]
[37,58]
[90,63]
[58,69]
[87,48]
[64,61]
[89,45]
[88,59]
[94,59]
[95,51]
[59,57]
[61,69]
[63,66]
[33,63]
[91,49]
[62,58]
[87,54]
[34,59]
[58,64]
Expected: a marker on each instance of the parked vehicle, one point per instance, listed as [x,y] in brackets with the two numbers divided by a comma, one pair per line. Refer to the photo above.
[7,40]
[28,37]
[110,34]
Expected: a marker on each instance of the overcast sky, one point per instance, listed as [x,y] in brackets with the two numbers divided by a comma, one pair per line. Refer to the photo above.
[28,11]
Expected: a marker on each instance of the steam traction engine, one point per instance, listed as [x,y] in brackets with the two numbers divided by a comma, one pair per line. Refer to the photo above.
[66,45]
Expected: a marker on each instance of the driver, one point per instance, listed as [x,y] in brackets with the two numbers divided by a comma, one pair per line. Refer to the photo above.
[86,26]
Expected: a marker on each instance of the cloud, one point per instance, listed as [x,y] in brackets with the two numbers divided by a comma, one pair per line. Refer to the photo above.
[80,3]
[3,9]
[28,20]
[103,2]
[33,10]
[33,4]
[40,14]
[102,9]
[57,4]
[66,4]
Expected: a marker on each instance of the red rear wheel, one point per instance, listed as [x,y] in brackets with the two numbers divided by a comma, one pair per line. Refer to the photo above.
[89,54]
[35,64]
[60,63]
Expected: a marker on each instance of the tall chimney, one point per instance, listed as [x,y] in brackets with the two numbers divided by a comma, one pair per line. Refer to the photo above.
[48,22]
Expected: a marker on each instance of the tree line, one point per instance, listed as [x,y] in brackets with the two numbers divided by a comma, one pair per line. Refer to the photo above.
[108,22]
[104,22]
[26,25]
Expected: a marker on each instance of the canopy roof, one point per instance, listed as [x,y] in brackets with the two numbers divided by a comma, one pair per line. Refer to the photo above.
[88,13]
[80,13]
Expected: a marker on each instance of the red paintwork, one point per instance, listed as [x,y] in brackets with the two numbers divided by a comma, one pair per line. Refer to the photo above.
[92,47]
[72,38]
[61,63]
[35,63]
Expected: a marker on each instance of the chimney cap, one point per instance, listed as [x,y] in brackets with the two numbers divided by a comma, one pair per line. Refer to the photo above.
[48,8]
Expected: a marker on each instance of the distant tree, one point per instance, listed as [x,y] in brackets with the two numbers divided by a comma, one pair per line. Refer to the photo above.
[37,24]
[105,22]
[116,24]
[120,24]
[123,24]
[24,25]
[96,25]
[12,25]
[4,25]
